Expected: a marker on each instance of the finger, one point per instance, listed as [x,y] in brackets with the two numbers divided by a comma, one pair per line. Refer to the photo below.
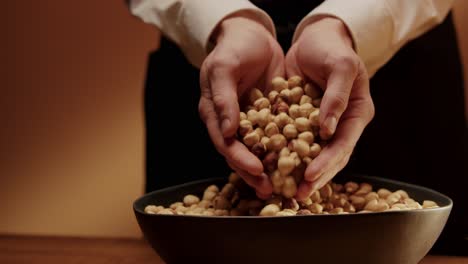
[333,157]
[340,147]
[306,188]
[229,148]
[291,65]
[275,68]
[336,96]
[261,184]
[336,155]
[223,86]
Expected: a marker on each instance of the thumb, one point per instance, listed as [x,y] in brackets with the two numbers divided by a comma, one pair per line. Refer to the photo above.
[224,94]
[336,96]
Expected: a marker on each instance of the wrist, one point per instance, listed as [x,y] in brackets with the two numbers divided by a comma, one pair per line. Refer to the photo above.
[330,24]
[238,22]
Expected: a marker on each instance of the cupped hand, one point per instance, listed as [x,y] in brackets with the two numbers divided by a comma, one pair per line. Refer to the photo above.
[323,54]
[245,55]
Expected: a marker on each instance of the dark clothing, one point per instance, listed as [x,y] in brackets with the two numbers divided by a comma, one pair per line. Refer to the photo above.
[418,135]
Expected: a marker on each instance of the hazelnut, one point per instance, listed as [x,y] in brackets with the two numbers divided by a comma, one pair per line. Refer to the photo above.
[289,187]
[302,124]
[245,127]
[270,210]
[376,205]
[403,194]
[295,95]
[175,205]
[251,139]
[280,107]
[282,119]
[290,131]
[349,208]
[271,129]
[315,208]
[294,81]
[273,97]
[263,117]
[306,109]
[364,188]
[277,181]
[286,213]
[191,200]
[393,198]
[314,117]
[265,141]
[326,191]
[315,197]
[294,111]
[252,116]
[260,132]
[301,147]
[315,150]
[243,116]
[286,165]
[312,91]
[277,142]
[290,203]
[258,149]
[254,95]
[336,210]
[165,211]
[305,99]
[285,95]
[307,136]
[284,152]
[214,188]
[209,195]
[279,84]
[383,193]
[429,204]
[337,187]
[304,212]
[153,209]
[371,196]
[270,161]
[351,187]
[261,103]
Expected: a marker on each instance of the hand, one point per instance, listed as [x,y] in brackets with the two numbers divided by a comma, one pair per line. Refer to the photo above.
[245,55]
[323,54]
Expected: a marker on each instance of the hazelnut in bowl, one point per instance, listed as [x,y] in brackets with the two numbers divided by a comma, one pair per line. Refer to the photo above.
[354,219]
[345,222]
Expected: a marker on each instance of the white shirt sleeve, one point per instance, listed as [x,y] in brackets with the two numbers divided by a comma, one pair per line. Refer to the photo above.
[379,28]
[189,23]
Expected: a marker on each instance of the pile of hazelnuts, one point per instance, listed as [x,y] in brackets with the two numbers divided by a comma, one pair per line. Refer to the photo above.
[236,198]
[282,130]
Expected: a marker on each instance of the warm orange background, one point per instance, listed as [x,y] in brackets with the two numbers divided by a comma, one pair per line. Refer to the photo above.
[72,125]
[72,133]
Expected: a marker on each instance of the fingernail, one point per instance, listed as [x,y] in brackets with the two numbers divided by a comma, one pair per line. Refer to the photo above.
[225,125]
[330,124]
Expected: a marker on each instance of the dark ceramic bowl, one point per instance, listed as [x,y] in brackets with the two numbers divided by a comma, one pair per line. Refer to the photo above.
[395,237]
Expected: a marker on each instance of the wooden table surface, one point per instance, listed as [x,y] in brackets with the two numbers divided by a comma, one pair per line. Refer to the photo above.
[51,250]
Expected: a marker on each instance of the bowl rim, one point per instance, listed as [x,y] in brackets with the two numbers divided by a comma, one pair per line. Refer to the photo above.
[352,175]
